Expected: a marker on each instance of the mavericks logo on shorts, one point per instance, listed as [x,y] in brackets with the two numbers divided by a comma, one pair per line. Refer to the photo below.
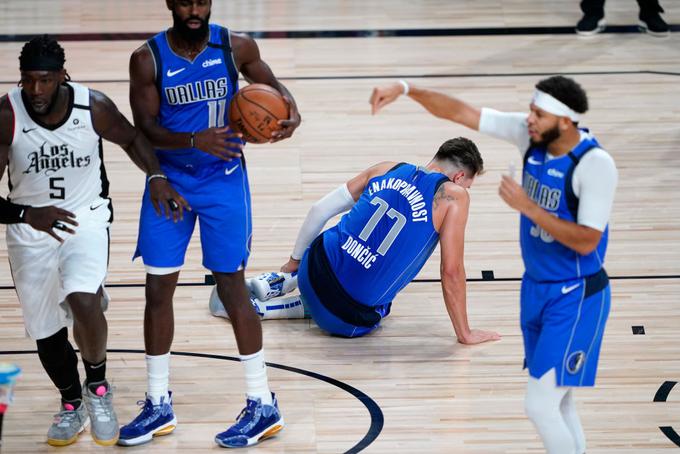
[575,362]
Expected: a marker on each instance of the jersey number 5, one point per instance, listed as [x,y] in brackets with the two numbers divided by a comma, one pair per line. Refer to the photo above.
[383,208]
[57,191]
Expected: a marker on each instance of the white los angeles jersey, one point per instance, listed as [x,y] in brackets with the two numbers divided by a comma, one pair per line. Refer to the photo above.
[58,164]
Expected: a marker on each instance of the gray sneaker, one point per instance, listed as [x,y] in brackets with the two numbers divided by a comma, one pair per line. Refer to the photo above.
[67,425]
[99,404]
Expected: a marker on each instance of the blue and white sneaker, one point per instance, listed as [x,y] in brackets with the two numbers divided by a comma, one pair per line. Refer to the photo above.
[271,285]
[255,423]
[152,421]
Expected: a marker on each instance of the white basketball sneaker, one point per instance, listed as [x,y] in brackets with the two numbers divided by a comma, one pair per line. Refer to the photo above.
[275,308]
[271,285]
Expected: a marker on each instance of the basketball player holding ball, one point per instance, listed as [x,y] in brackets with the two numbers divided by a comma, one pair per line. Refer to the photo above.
[181,84]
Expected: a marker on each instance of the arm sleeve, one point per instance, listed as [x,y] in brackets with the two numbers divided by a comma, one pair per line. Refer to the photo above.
[333,203]
[594,182]
[508,126]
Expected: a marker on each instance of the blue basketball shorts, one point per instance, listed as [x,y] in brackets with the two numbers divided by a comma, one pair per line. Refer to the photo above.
[562,325]
[219,196]
[319,311]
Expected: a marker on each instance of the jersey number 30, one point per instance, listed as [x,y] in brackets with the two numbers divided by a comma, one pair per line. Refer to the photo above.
[383,208]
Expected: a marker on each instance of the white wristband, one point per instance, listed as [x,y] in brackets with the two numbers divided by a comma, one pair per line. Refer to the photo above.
[405,85]
[156,175]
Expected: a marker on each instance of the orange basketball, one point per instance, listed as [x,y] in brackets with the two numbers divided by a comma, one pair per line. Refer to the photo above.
[255,111]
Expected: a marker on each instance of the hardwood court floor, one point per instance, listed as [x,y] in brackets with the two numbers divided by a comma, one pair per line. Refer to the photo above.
[436,396]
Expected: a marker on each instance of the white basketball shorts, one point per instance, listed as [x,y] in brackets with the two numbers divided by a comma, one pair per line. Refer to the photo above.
[45,271]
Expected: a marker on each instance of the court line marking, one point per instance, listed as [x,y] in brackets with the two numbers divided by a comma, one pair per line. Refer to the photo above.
[355,33]
[418,281]
[661,396]
[374,411]
[422,76]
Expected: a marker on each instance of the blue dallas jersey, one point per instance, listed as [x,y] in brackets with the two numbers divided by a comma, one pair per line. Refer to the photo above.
[548,183]
[194,95]
[382,243]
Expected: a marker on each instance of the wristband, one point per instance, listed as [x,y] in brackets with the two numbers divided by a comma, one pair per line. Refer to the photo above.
[12,213]
[156,175]
[192,140]
[404,85]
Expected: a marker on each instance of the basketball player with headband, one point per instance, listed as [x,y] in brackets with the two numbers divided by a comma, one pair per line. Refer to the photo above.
[59,212]
[565,200]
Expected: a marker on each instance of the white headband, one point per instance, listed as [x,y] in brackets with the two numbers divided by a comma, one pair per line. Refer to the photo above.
[544,101]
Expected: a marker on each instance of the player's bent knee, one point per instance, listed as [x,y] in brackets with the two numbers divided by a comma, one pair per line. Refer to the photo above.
[85,304]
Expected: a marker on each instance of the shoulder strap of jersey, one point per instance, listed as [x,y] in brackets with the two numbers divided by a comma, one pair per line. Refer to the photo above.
[13,99]
[396,166]
[152,44]
[225,46]
[525,156]
[81,96]
[576,155]
[442,179]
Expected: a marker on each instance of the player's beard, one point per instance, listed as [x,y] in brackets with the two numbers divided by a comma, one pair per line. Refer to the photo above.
[50,106]
[547,138]
[188,34]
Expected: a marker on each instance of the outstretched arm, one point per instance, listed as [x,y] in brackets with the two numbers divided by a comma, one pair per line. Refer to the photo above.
[455,201]
[255,70]
[111,125]
[508,126]
[438,104]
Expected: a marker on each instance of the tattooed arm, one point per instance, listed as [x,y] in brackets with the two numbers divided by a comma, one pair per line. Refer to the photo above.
[450,212]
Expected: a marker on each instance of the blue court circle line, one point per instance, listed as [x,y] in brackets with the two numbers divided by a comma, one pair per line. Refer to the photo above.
[377,418]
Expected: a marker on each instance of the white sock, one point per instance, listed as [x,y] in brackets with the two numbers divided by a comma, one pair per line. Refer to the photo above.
[542,406]
[571,418]
[158,376]
[282,307]
[256,377]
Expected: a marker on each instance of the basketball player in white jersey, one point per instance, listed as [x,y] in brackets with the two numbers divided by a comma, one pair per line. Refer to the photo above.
[59,213]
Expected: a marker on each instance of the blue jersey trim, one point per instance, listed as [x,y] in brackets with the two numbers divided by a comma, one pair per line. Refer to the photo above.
[158,62]
[227,51]
[569,195]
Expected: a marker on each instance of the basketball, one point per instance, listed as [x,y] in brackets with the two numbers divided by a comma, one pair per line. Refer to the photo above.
[255,111]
